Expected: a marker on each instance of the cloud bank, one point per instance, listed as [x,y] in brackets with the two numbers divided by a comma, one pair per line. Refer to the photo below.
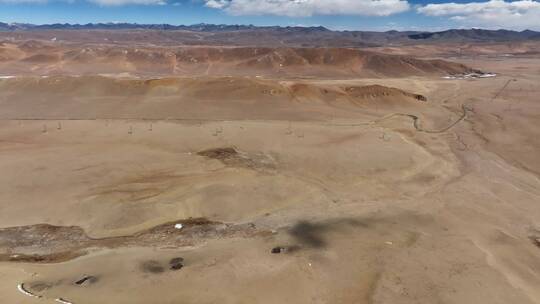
[521,14]
[306,8]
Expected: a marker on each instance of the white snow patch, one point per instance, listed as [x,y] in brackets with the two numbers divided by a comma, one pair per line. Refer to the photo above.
[488,75]
[470,75]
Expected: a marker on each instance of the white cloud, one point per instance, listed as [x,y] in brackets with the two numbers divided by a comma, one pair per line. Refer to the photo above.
[128,2]
[306,8]
[216,3]
[521,14]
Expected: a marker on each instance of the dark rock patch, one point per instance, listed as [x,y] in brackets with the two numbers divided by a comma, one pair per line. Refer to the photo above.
[222,154]
[176,263]
[231,157]
[284,249]
[87,280]
[535,240]
[278,249]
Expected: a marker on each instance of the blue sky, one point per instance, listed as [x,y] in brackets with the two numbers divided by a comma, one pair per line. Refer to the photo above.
[336,14]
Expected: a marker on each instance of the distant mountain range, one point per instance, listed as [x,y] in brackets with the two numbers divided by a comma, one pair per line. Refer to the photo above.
[276,35]
[202,27]
[477,35]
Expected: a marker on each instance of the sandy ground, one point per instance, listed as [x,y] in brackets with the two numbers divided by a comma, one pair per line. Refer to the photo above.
[368,208]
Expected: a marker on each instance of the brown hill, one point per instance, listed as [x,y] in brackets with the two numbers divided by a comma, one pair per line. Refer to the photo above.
[187,98]
[53,59]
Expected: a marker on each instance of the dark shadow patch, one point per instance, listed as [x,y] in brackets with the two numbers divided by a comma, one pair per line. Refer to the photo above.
[309,234]
[152,267]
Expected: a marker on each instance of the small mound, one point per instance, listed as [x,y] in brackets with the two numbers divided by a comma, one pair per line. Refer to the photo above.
[309,92]
[42,58]
[223,154]
[377,91]
[231,157]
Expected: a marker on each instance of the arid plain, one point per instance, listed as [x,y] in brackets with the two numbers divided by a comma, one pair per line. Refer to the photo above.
[204,174]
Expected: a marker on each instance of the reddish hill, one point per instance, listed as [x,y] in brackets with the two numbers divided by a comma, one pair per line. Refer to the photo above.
[54,59]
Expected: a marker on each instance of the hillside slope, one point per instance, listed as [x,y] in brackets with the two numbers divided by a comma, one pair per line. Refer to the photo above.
[42,58]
